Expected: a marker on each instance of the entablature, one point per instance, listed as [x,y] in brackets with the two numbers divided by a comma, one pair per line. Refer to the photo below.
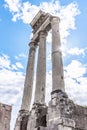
[40,22]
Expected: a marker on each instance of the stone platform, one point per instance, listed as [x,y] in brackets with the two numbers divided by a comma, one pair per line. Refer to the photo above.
[61,114]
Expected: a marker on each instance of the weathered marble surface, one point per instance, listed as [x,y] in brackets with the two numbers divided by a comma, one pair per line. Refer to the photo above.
[41,70]
[28,85]
[57,64]
[64,113]
[61,114]
[37,117]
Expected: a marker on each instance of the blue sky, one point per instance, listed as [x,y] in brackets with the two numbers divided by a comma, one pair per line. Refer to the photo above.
[15,35]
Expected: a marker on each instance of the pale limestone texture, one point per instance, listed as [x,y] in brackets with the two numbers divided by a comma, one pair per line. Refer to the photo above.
[37,117]
[41,70]
[21,121]
[28,86]
[57,65]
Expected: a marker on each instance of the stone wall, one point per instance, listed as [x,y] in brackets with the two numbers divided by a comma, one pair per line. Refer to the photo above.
[5,116]
[63,112]
[80,117]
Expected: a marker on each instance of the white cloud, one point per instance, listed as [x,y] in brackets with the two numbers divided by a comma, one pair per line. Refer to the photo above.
[49,37]
[75,81]
[19,65]
[13,5]
[26,11]
[20,56]
[11,82]
[75,70]
[67,16]
[48,86]
[76,51]
[4,61]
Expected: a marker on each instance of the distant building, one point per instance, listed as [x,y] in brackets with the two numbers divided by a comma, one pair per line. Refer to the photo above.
[5,116]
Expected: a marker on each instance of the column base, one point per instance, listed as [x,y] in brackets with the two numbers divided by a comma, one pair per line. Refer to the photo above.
[37,118]
[21,122]
[62,124]
[60,111]
[61,114]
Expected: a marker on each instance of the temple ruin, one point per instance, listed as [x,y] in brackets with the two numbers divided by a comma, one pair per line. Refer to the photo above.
[61,113]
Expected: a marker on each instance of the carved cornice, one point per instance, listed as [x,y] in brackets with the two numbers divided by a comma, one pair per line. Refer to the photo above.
[35,19]
[46,25]
[39,23]
[42,21]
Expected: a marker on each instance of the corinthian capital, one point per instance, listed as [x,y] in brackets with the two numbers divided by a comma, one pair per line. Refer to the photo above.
[54,19]
[32,44]
[42,33]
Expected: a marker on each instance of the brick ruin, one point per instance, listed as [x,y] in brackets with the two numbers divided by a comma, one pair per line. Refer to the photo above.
[5,116]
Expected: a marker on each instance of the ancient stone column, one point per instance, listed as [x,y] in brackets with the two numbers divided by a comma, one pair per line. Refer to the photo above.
[26,101]
[57,65]
[41,70]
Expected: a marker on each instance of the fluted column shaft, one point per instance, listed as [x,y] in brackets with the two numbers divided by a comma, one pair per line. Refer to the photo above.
[57,65]
[26,101]
[41,70]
